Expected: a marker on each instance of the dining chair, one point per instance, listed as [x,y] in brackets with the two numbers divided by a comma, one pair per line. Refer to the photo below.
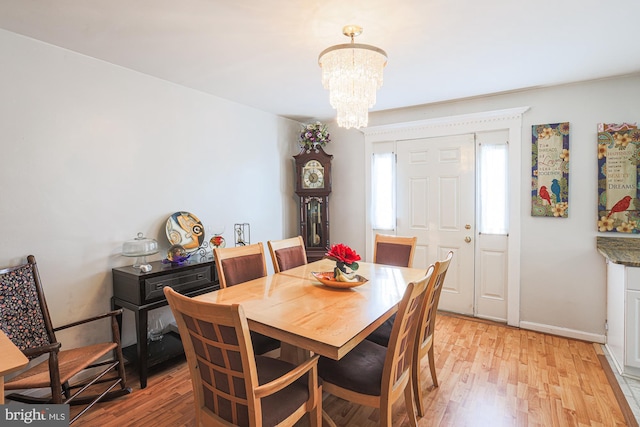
[287,253]
[426,328]
[25,320]
[241,264]
[232,385]
[377,376]
[397,251]
[394,250]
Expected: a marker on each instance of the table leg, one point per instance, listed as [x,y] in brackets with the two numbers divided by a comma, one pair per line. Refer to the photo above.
[142,346]
[293,354]
[296,355]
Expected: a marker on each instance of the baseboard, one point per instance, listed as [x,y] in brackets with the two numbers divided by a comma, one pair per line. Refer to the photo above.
[614,361]
[563,332]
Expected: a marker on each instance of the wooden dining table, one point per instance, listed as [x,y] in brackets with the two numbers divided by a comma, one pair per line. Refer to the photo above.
[12,359]
[309,317]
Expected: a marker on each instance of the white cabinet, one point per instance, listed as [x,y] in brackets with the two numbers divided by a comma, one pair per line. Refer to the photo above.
[623,317]
[632,354]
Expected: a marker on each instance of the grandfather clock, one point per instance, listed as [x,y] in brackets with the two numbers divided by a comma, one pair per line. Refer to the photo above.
[313,185]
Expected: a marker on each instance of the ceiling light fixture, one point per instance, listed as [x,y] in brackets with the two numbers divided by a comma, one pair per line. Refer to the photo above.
[352,72]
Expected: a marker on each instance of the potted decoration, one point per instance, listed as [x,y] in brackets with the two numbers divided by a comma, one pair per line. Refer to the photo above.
[314,135]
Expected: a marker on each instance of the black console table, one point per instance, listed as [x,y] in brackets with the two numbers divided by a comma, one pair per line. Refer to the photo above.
[140,292]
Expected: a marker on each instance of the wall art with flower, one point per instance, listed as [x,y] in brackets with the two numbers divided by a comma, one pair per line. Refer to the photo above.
[550,170]
[618,178]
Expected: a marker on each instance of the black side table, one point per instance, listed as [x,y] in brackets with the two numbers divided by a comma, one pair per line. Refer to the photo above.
[140,292]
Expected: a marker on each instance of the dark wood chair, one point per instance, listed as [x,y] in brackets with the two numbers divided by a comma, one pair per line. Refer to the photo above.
[287,253]
[377,376]
[233,386]
[241,264]
[25,319]
[394,250]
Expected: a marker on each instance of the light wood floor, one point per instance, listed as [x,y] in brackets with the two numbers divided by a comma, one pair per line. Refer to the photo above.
[489,375]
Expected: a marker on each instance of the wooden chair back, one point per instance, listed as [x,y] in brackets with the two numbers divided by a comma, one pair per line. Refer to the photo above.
[24,314]
[396,374]
[287,253]
[229,381]
[240,264]
[394,250]
[427,325]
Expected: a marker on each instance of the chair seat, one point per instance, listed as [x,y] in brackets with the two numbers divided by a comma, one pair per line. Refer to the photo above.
[360,370]
[383,332]
[263,344]
[71,362]
[278,406]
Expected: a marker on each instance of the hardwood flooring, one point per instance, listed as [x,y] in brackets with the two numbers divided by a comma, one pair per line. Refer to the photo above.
[489,375]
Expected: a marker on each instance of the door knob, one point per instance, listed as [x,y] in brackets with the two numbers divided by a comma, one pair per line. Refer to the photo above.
[467,239]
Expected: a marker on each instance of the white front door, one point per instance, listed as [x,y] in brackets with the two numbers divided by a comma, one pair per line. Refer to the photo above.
[436,202]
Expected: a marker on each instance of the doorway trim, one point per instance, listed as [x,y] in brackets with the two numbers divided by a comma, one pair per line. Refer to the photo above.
[510,119]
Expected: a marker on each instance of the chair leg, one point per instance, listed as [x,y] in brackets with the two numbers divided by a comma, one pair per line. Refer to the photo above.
[66,389]
[408,403]
[416,384]
[315,416]
[385,414]
[115,330]
[432,367]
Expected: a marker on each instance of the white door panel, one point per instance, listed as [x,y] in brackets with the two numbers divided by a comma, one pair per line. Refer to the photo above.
[419,203]
[435,202]
[491,297]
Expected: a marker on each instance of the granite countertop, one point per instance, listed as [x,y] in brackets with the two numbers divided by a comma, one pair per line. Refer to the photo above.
[620,250]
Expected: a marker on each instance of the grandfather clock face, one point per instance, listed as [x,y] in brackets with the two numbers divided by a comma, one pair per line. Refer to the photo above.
[313,175]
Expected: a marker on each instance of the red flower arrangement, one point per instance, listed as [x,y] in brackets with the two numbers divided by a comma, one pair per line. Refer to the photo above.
[344,257]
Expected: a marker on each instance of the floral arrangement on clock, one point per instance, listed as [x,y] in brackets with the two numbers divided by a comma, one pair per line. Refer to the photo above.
[313,135]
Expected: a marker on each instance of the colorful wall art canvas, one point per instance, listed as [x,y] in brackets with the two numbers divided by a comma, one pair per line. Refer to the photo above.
[618,177]
[550,170]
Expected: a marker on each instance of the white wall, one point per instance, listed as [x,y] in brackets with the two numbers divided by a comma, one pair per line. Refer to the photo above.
[92,153]
[563,277]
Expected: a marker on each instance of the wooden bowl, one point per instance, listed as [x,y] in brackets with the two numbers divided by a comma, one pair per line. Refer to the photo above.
[327,279]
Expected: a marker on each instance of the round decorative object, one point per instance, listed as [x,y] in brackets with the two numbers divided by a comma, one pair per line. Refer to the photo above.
[177,254]
[184,228]
[218,241]
[327,278]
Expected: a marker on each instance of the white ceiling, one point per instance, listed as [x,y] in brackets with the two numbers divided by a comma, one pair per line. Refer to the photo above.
[263,53]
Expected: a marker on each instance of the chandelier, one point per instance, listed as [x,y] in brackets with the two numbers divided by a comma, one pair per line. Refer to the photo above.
[352,72]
